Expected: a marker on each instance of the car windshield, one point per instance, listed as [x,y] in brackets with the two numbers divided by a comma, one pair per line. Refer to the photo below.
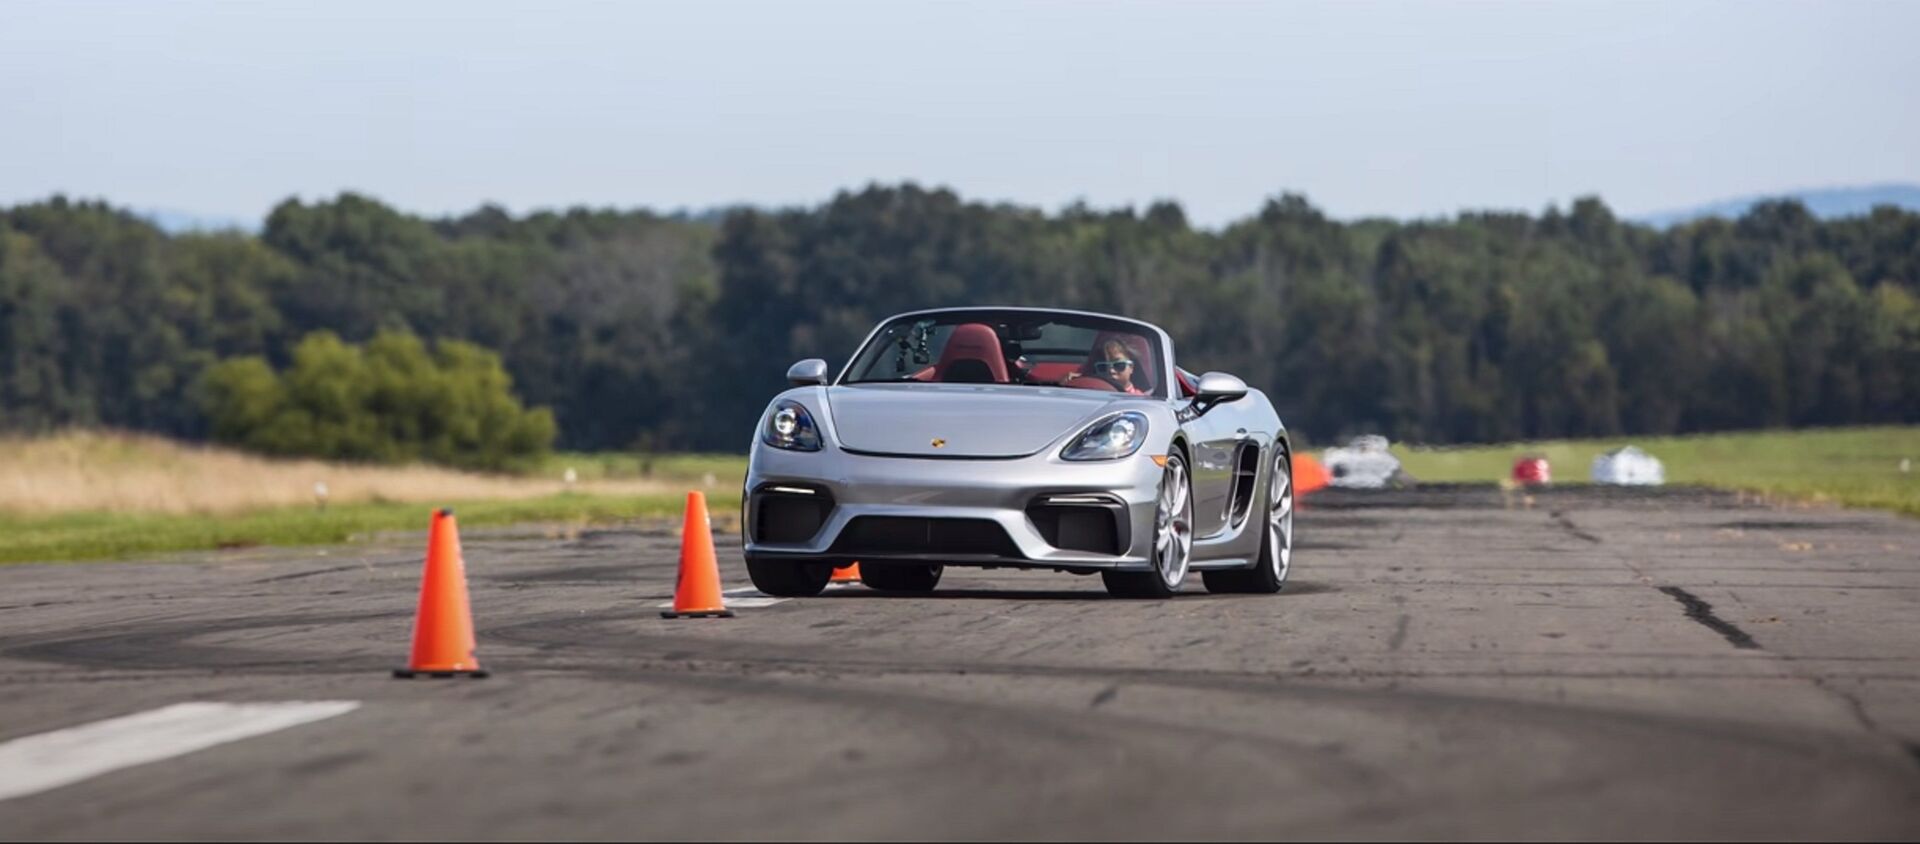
[1013,347]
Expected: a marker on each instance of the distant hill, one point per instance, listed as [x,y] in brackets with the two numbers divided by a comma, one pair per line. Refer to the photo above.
[1825,203]
[180,222]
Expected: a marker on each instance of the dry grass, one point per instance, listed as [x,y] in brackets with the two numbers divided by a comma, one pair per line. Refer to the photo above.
[94,472]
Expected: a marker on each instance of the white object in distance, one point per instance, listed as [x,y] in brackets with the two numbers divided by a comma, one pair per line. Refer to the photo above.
[1365,463]
[1628,466]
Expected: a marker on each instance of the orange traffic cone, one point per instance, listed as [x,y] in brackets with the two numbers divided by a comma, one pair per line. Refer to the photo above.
[696,592]
[1308,474]
[443,627]
[849,573]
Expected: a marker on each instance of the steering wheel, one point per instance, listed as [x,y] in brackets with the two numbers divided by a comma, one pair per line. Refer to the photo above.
[1090,382]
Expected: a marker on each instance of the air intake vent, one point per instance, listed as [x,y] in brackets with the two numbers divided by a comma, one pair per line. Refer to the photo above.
[789,514]
[1246,470]
[1093,523]
[887,535]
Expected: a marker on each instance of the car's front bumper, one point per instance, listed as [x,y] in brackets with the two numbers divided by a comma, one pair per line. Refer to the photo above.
[905,509]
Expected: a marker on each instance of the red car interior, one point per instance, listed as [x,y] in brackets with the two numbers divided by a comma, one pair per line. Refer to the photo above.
[1188,387]
[1053,372]
[972,356]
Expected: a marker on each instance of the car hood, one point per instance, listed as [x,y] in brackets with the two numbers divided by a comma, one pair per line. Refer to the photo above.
[969,420]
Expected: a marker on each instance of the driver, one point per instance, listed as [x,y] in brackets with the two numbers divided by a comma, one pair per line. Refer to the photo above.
[1116,366]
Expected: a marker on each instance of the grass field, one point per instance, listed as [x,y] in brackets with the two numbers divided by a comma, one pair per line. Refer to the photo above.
[1858,467]
[94,496]
[718,470]
[95,535]
[104,472]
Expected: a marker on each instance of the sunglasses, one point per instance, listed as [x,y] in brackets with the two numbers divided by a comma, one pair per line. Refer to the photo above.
[1112,365]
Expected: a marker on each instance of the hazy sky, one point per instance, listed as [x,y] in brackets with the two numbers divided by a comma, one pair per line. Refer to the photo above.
[1369,108]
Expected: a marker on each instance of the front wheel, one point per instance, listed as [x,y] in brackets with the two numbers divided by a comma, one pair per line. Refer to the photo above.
[1172,540]
[1269,573]
[789,578]
[895,578]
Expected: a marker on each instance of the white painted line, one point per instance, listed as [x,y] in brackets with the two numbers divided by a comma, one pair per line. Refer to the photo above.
[750,597]
[746,597]
[36,763]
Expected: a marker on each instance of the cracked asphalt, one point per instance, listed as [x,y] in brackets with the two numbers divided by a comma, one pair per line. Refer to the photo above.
[1451,662]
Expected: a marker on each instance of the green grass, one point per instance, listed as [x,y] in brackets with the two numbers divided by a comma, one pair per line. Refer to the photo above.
[727,469]
[1857,467]
[84,536]
[1851,466]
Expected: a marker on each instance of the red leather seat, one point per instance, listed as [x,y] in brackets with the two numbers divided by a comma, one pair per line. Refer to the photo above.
[972,356]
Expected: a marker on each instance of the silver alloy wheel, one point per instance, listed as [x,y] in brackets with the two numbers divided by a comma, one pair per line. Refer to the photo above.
[1173,524]
[1280,518]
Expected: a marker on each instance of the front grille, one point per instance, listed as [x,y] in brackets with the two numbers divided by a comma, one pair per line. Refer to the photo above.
[889,535]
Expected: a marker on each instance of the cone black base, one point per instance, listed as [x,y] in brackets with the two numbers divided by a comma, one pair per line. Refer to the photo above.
[713,614]
[408,674]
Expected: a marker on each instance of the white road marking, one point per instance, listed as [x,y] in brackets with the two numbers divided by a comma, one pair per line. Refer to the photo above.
[745,597]
[36,763]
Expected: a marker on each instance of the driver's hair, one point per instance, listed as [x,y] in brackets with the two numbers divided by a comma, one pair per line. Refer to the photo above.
[1114,348]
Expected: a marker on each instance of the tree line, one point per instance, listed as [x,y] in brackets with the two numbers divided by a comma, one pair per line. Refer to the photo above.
[640,329]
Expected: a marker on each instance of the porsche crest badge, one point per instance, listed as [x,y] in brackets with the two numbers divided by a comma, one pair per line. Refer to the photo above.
[939,443]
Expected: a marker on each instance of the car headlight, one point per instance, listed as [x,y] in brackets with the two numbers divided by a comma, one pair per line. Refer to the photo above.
[1113,437]
[791,427]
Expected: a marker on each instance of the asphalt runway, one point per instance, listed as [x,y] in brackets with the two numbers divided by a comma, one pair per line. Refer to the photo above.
[1446,663]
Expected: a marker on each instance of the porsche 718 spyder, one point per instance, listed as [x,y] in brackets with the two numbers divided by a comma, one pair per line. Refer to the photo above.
[1018,438]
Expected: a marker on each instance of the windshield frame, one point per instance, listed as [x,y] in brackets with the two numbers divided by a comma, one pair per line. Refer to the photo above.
[1162,387]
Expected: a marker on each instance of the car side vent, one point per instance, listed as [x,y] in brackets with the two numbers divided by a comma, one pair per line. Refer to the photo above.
[1246,470]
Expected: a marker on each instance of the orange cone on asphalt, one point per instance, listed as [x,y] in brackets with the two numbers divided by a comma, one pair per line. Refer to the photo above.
[696,592]
[849,573]
[443,626]
[1309,475]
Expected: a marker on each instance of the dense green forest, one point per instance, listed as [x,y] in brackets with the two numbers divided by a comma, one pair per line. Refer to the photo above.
[659,331]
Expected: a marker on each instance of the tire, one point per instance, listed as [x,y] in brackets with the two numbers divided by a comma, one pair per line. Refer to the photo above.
[1135,584]
[1173,540]
[789,578]
[890,578]
[1269,572]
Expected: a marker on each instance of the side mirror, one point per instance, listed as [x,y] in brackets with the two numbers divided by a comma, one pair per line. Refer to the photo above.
[1215,388]
[813,371]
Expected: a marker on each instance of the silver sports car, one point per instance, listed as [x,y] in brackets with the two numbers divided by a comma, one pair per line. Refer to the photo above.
[1019,438]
